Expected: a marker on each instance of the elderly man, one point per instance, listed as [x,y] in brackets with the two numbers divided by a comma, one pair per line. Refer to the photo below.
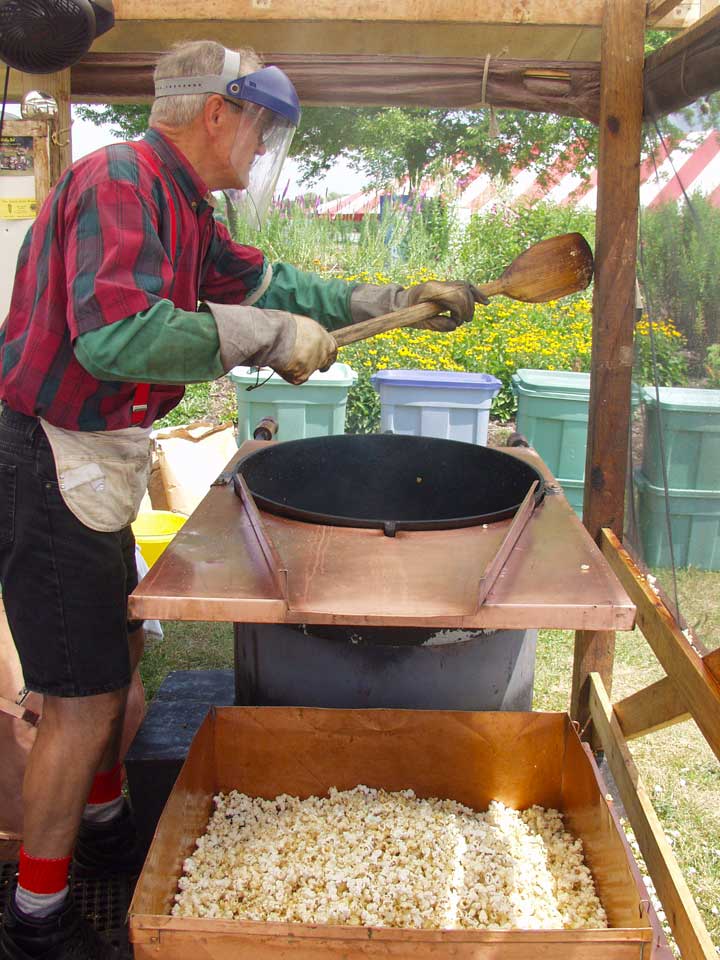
[103,327]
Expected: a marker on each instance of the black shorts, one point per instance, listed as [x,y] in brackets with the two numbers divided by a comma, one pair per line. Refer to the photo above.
[64,586]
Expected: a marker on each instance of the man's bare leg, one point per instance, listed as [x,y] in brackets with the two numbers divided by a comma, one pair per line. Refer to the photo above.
[136,642]
[74,736]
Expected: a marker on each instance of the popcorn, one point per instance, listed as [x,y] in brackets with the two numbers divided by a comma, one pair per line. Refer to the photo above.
[373,858]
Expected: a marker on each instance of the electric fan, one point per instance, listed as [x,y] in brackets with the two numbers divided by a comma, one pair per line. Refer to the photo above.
[45,36]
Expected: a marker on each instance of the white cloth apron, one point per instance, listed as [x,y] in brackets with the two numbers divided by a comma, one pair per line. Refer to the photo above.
[102,474]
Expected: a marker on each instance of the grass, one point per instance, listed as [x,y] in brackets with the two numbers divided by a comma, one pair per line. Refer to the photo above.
[680,771]
[186,646]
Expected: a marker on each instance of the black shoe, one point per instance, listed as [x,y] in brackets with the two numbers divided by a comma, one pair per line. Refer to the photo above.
[109,849]
[63,936]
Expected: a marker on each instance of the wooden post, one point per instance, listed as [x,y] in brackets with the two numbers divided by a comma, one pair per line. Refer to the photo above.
[60,144]
[621,106]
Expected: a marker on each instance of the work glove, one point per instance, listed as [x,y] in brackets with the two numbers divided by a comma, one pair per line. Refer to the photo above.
[292,345]
[313,349]
[456,298]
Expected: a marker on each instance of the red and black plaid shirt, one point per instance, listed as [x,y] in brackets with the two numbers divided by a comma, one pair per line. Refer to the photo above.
[99,251]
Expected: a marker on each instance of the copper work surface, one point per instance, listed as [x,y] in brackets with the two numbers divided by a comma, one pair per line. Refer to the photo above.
[215,569]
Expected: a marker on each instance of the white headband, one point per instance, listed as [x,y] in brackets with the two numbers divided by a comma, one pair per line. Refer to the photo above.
[215,83]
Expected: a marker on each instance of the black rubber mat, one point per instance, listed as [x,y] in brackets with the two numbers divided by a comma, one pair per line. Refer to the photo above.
[104,901]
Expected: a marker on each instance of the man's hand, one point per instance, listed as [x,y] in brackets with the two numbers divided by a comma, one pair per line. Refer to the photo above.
[314,349]
[455,297]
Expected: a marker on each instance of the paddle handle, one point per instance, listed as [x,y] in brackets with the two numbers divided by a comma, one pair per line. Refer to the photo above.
[401,318]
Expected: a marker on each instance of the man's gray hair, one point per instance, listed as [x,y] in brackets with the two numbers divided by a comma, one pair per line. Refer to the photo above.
[195,58]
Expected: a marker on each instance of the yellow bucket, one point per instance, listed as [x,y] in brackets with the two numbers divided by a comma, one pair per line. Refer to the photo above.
[154,530]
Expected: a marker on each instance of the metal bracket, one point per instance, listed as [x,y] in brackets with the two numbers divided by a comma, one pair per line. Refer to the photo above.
[223,479]
[272,557]
[519,522]
[18,711]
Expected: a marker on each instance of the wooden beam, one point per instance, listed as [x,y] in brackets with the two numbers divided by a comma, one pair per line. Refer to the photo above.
[541,12]
[705,27]
[613,303]
[653,708]
[659,9]
[684,69]
[615,259]
[677,14]
[60,144]
[594,653]
[658,706]
[696,681]
[681,911]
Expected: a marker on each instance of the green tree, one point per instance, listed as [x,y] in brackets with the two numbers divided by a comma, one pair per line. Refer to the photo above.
[388,143]
[126,120]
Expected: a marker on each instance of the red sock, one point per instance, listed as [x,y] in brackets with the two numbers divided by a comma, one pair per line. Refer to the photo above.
[43,875]
[105,801]
[106,786]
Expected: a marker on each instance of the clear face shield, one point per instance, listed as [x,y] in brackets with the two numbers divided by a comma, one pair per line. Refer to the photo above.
[269,112]
[261,146]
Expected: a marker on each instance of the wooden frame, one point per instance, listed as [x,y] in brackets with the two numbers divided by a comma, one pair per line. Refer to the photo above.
[692,685]
[39,130]
[690,689]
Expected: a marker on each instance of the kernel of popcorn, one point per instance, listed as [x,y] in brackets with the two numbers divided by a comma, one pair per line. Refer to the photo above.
[370,857]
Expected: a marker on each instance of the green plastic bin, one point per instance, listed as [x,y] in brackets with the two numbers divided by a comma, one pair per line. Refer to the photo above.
[574,491]
[313,409]
[553,416]
[694,524]
[690,421]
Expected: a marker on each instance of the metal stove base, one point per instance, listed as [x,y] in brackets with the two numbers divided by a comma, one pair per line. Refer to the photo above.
[104,902]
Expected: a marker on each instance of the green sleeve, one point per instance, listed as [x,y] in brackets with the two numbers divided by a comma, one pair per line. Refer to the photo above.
[159,345]
[326,301]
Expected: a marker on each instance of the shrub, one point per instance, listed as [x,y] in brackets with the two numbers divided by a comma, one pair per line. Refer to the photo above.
[712,365]
[669,361]
[680,251]
[489,243]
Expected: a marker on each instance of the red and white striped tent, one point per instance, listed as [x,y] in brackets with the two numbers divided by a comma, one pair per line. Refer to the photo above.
[692,165]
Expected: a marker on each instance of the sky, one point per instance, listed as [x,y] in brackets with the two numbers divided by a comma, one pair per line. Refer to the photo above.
[86,137]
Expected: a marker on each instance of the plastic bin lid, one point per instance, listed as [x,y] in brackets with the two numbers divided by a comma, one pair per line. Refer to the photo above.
[643,483]
[559,384]
[456,379]
[339,375]
[684,398]
[553,381]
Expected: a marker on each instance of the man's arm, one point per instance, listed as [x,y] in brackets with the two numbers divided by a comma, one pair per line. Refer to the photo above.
[159,345]
[168,345]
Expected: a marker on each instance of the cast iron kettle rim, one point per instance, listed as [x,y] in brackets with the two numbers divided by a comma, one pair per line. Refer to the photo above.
[389,527]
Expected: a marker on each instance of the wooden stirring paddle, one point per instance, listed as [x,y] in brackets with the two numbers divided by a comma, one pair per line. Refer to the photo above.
[547,270]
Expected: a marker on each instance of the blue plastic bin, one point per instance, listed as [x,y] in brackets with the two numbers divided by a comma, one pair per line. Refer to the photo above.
[436,403]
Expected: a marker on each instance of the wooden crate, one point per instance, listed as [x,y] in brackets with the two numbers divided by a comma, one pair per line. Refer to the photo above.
[518,758]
